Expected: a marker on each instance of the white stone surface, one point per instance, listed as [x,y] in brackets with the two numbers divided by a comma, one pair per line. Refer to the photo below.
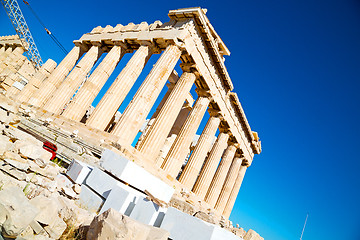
[121,200]
[18,85]
[147,212]
[78,171]
[89,199]
[135,175]
[101,182]
[220,234]
[185,227]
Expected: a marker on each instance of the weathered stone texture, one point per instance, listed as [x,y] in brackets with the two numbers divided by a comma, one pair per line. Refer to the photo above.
[114,225]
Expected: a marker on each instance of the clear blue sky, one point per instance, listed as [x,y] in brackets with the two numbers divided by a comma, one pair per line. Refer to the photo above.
[296,68]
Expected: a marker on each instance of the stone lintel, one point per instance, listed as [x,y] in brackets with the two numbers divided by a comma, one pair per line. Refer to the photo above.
[165,36]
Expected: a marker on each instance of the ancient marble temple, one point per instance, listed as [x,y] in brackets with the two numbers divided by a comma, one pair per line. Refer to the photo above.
[214,171]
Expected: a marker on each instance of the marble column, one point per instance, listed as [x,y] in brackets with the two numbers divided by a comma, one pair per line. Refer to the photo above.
[181,118]
[111,101]
[170,87]
[228,184]
[136,112]
[207,172]
[72,82]
[88,92]
[150,122]
[2,49]
[220,175]
[178,151]
[45,70]
[234,192]
[50,84]
[197,158]
[166,117]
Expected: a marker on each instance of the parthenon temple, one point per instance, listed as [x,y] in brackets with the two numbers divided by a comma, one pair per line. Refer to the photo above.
[207,168]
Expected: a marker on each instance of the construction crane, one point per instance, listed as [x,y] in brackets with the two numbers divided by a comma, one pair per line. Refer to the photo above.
[18,21]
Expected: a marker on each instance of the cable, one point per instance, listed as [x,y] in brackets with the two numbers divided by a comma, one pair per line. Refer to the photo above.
[52,36]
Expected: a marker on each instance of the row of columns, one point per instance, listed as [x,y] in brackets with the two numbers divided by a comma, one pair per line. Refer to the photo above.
[216,185]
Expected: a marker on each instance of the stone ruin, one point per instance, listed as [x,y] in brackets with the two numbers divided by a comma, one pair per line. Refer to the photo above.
[172,179]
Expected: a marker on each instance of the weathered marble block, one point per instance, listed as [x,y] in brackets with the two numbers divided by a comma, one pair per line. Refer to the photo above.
[101,182]
[120,200]
[89,199]
[148,212]
[135,175]
[78,171]
[185,227]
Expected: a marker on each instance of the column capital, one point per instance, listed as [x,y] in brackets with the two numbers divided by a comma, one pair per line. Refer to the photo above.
[152,47]
[146,43]
[245,162]
[120,43]
[188,67]
[176,42]
[232,143]
[187,105]
[81,45]
[215,113]
[203,93]
[96,43]
[224,128]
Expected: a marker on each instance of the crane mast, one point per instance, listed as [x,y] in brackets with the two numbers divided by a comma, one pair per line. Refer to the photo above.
[18,21]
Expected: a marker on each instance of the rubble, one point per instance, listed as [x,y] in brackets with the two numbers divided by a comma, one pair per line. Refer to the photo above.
[113,225]
[16,212]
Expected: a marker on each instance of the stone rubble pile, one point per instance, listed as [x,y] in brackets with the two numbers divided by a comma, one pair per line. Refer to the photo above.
[35,194]
[114,225]
[39,201]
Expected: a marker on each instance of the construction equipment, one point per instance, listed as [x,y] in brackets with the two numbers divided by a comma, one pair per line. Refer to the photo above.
[18,21]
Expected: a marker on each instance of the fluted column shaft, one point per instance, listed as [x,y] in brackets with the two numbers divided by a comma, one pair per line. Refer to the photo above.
[166,117]
[54,80]
[87,93]
[181,118]
[72,82]
[45,70]
[153,117]
[234,192]
[2,50]
[220,175]
[138,109]
[207,172]
[111,101]
[163,100]
[197,158]
[228,184]
[178,151]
